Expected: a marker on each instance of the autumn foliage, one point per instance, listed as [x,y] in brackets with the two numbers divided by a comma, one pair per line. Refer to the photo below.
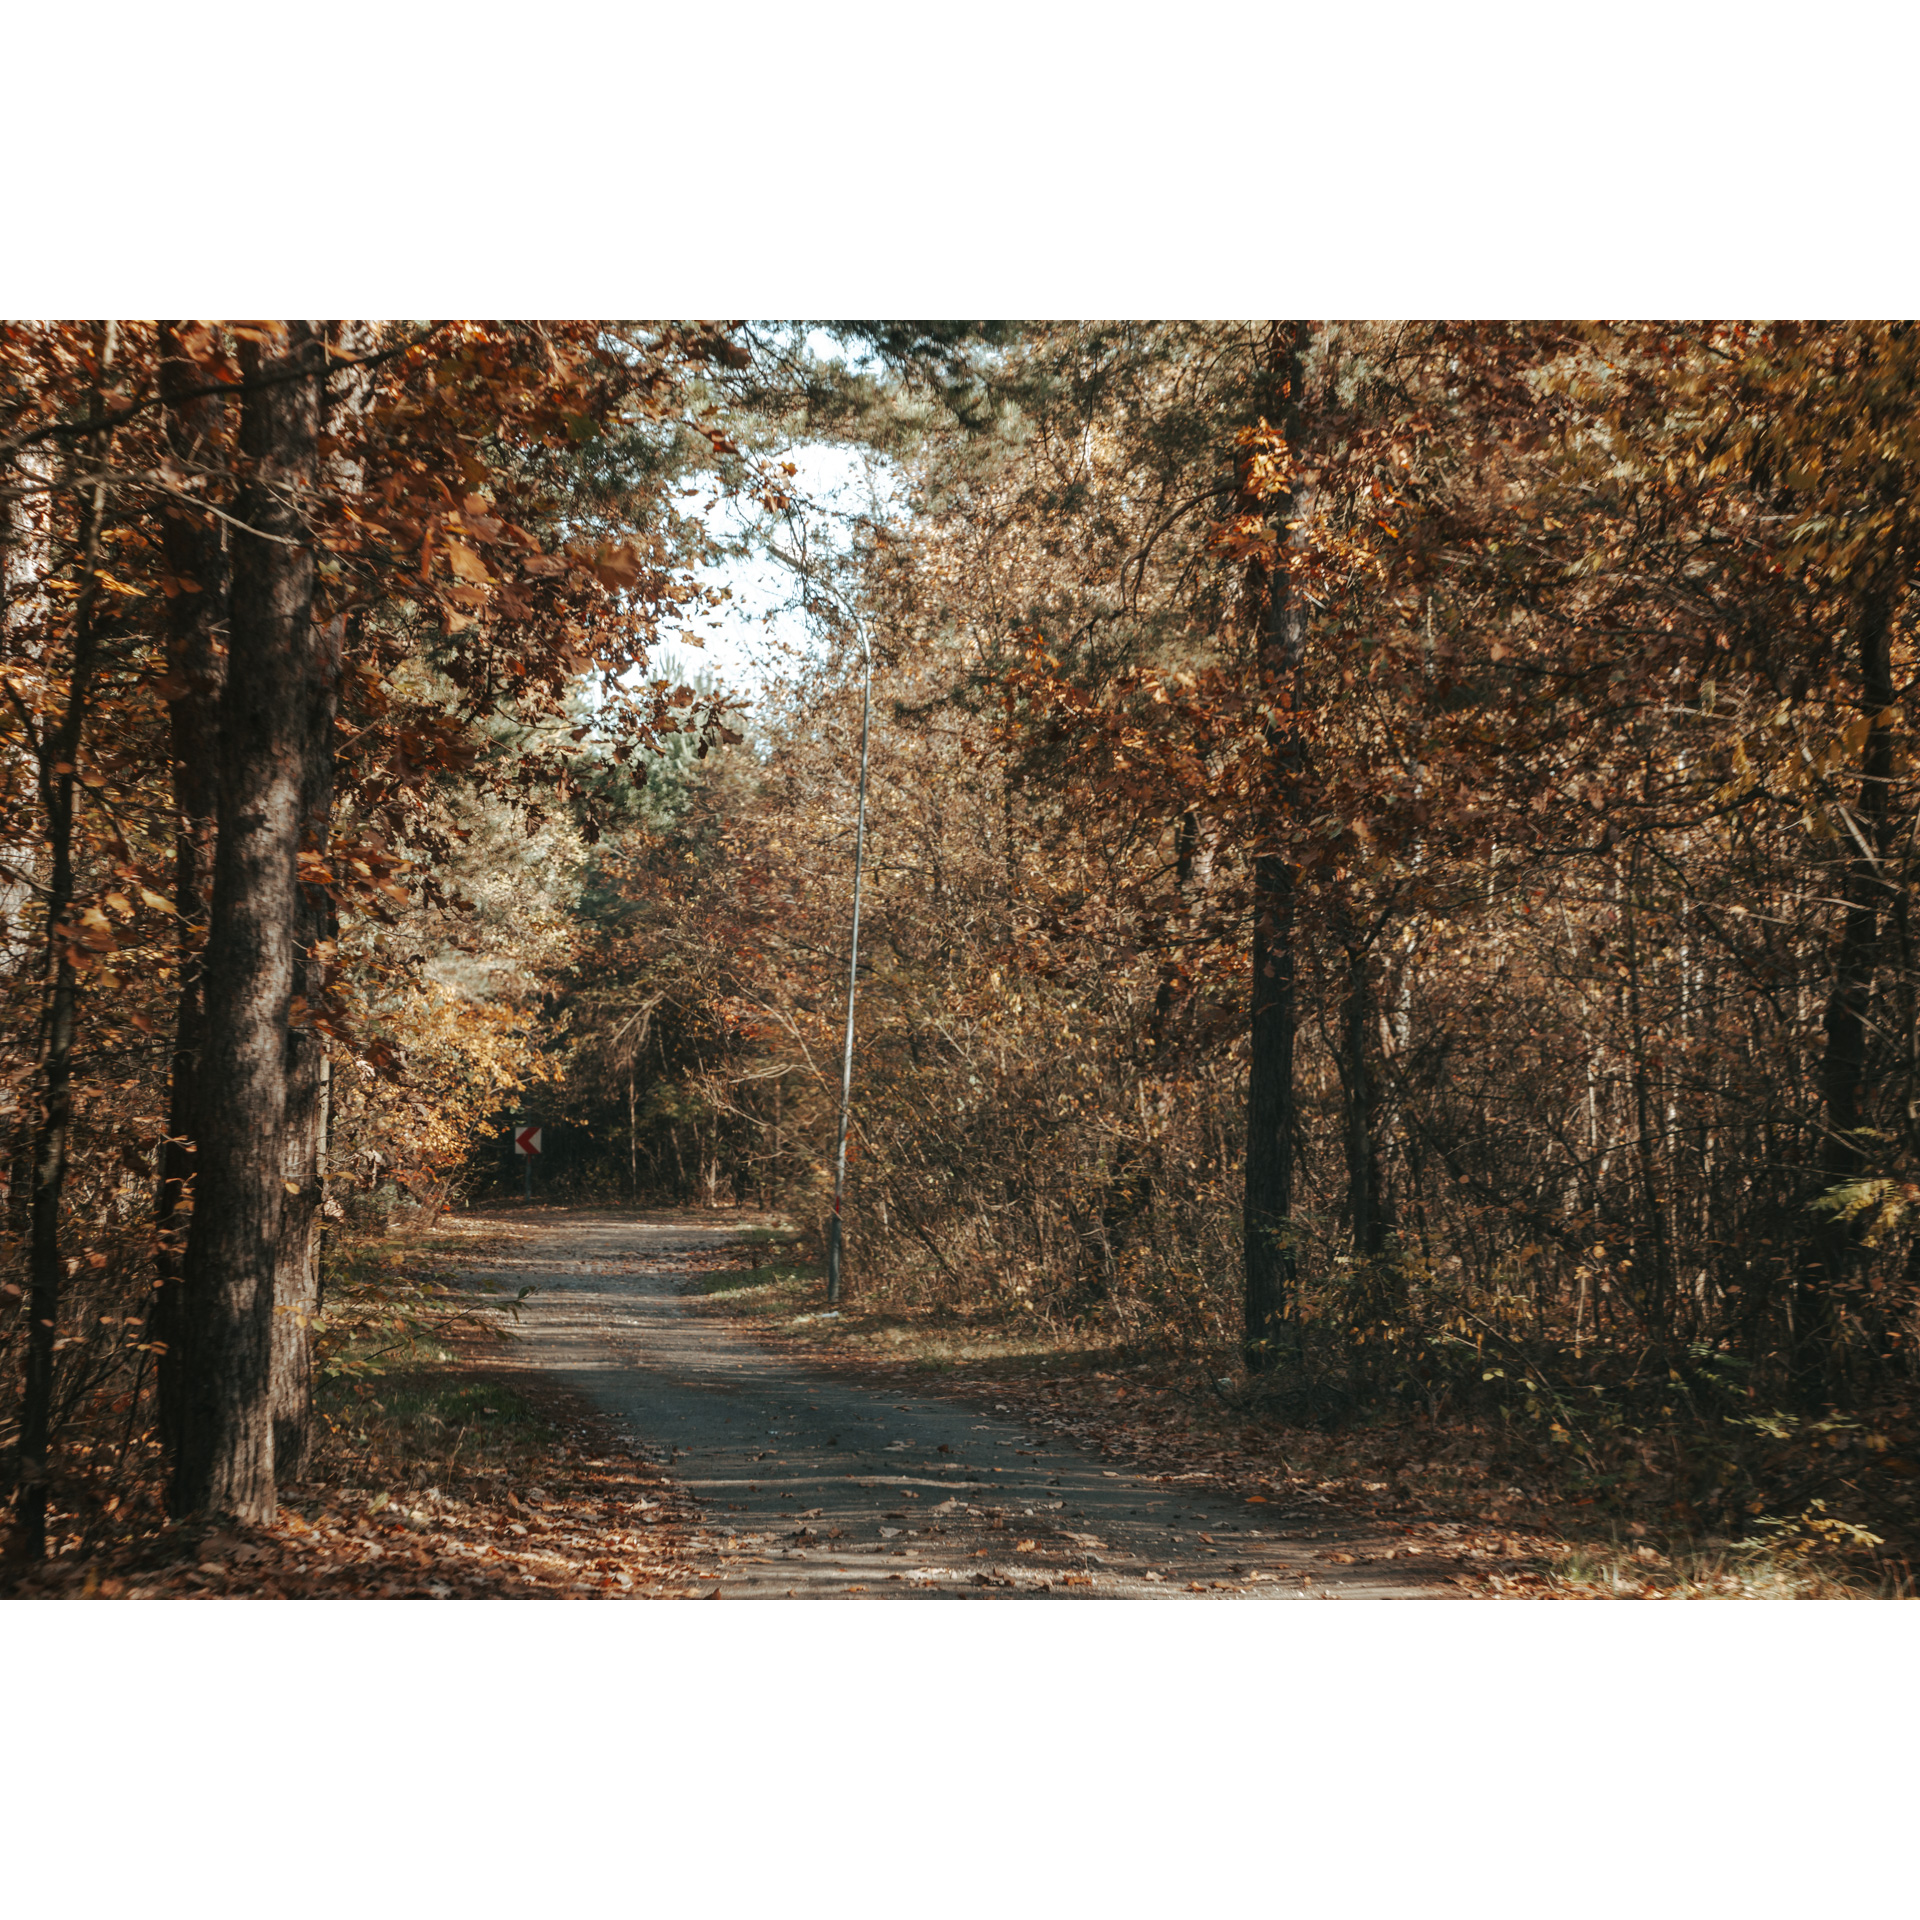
[1388,863]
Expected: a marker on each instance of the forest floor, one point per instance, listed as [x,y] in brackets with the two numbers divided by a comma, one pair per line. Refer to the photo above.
[670,1413]
[1447,1494]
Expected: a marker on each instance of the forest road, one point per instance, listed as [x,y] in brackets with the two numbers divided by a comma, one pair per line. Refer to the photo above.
[811,1486]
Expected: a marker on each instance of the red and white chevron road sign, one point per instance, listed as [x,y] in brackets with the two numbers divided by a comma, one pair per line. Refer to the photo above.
[527,1141]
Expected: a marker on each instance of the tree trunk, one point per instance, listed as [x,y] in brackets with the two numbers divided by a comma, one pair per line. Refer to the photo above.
[59,759]
[1653,1264]
[1268,1213]
[1845,1155]
[296,1288]
[196,659]
[297,1282]
[26,562]
[224,1460]
[1367,1207]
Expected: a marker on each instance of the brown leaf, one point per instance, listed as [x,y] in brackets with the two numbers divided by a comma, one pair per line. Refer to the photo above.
[466,564]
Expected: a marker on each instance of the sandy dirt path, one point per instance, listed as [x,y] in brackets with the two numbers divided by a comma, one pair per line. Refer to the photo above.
[813,1486]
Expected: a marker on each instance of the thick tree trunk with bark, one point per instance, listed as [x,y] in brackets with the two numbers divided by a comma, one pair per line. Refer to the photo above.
[309,1064]
[309,1087]
[197,664]
[224,1461]
[1271,1117]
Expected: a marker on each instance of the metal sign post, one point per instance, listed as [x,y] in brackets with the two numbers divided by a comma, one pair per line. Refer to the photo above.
[526,1143]
[853,984]
[816,598]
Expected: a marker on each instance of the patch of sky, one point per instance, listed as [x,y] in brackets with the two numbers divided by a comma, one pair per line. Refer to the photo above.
[760,631]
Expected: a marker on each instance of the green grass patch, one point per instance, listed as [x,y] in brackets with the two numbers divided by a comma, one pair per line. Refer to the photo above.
[999,1342]
[423,1427]
[388,1305]
[777,1288]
